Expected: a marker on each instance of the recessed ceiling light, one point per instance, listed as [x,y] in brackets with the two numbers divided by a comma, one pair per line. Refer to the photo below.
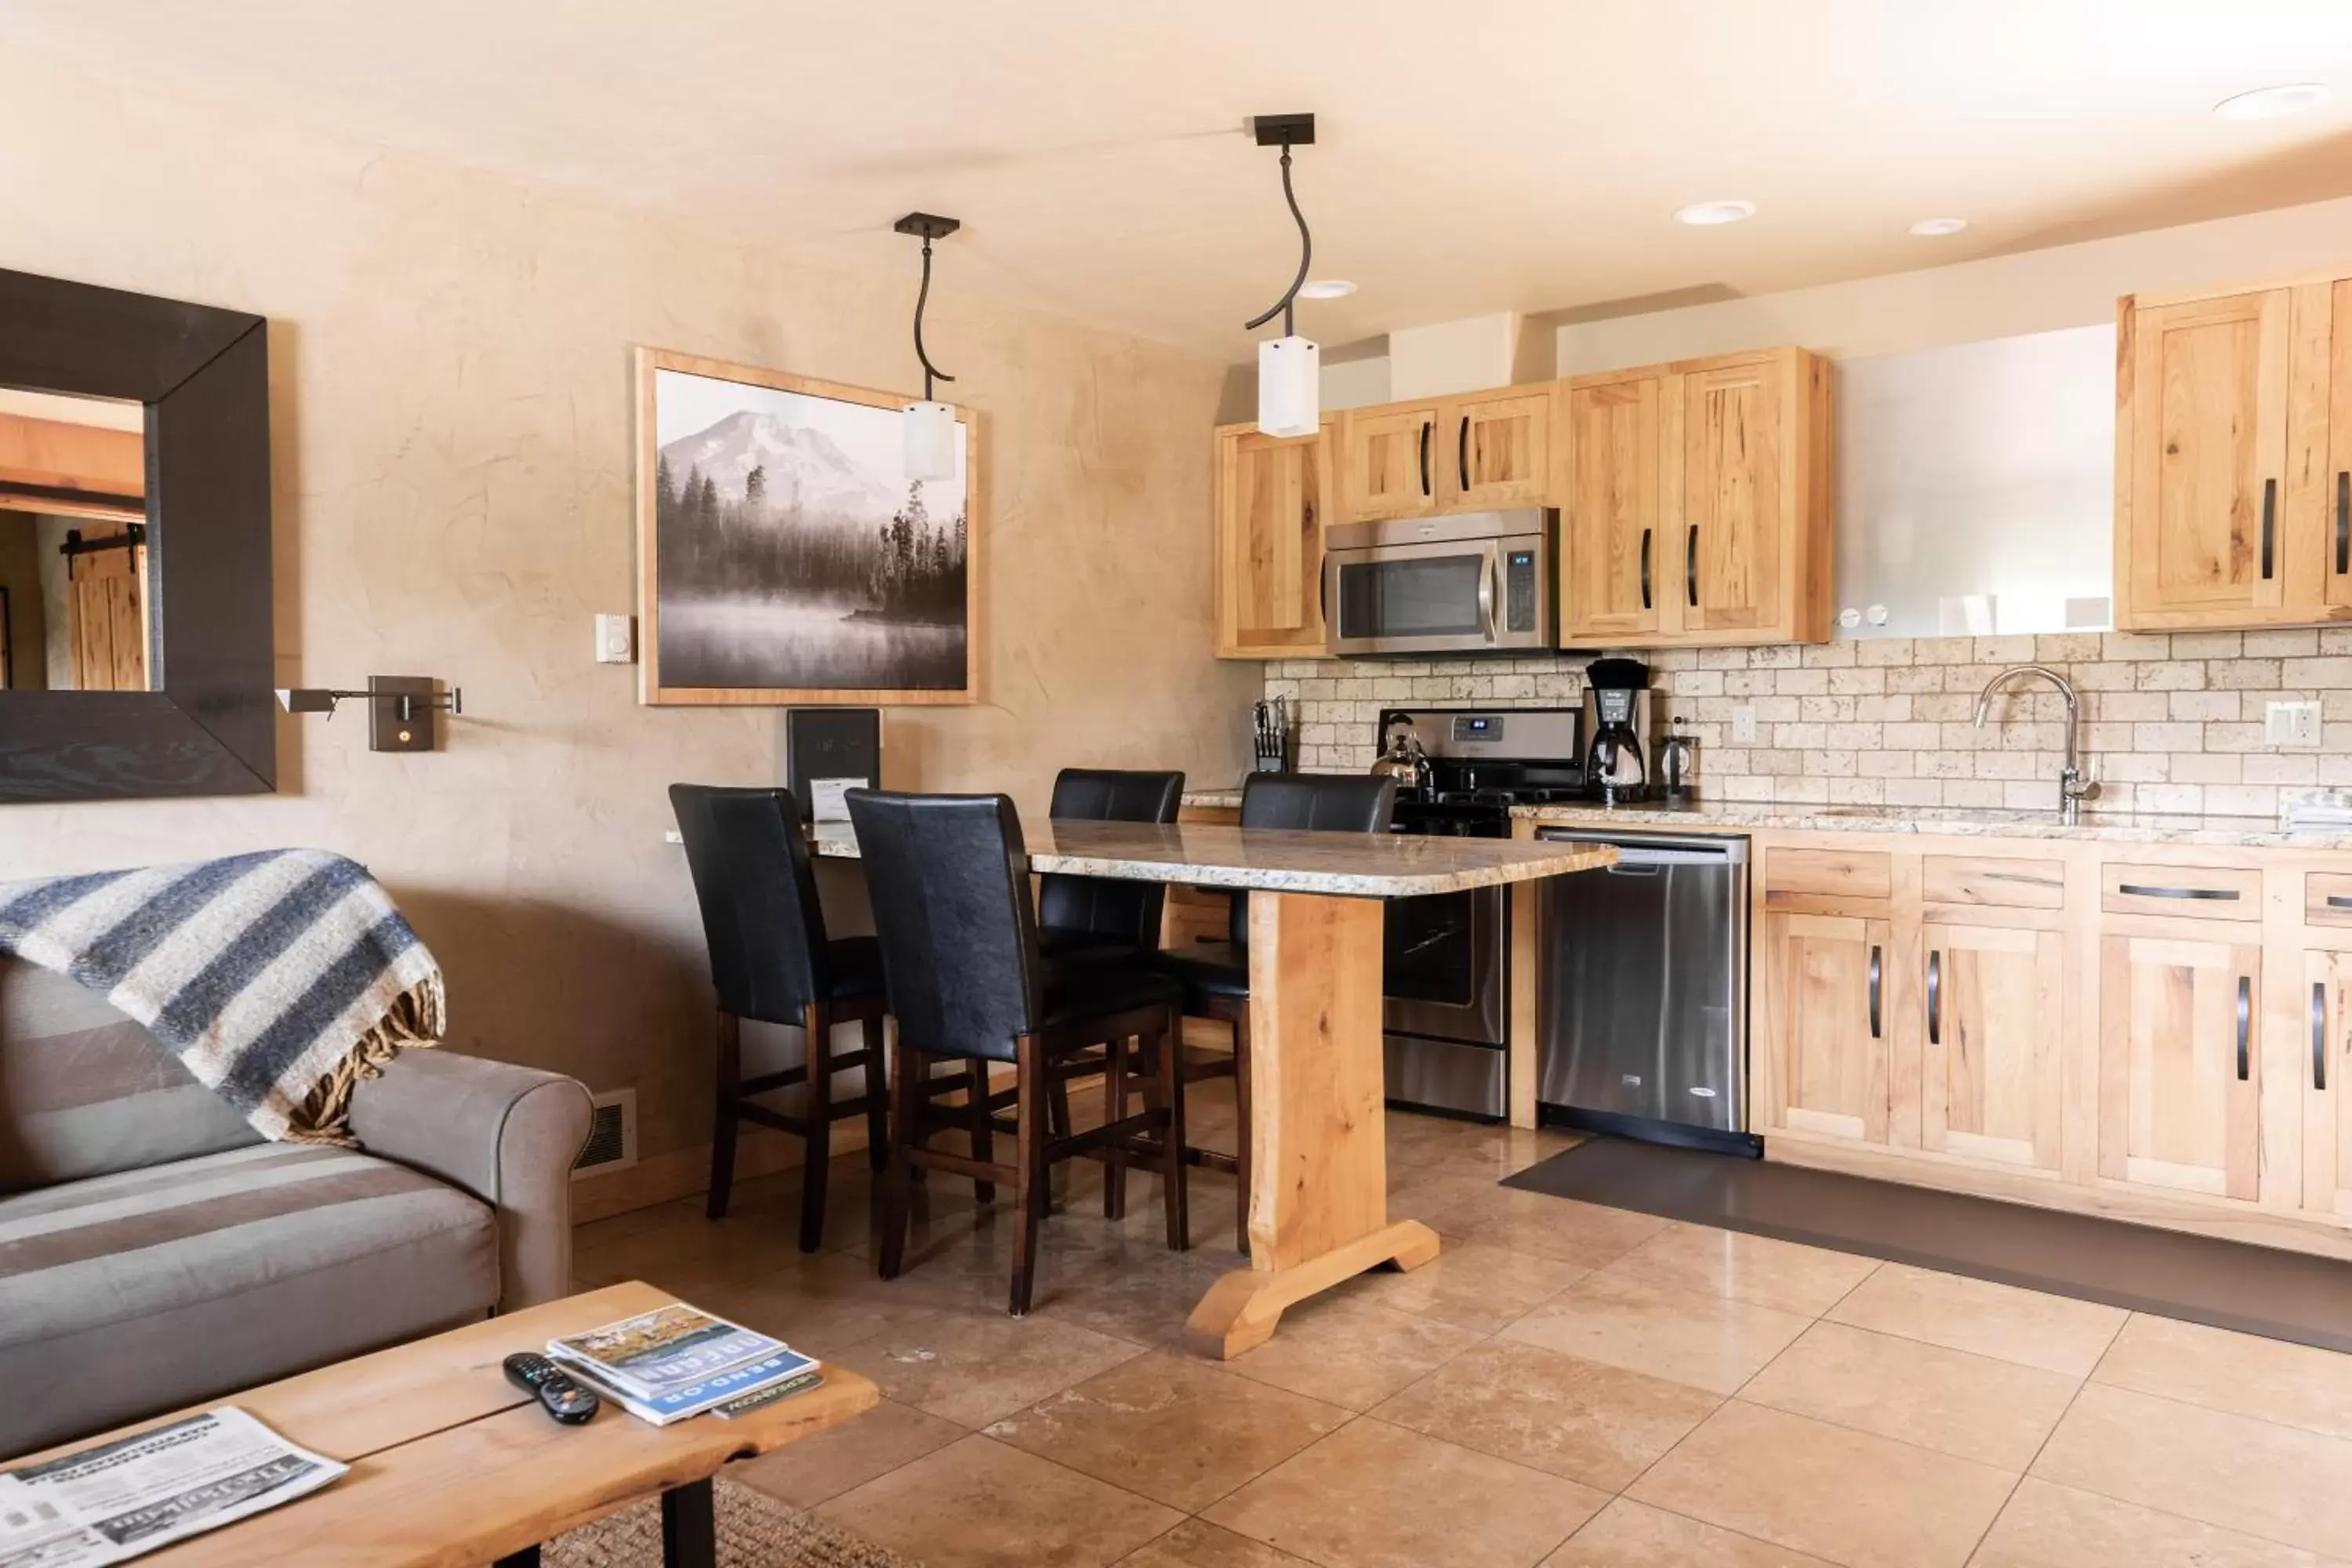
[2272,102]
[1936,228]
[1707,214]
[1325,288]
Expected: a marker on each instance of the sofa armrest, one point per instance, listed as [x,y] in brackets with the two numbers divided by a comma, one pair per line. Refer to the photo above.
[507,1134]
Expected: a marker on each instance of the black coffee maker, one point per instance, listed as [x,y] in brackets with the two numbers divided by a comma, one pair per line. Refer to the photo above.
[1616,723]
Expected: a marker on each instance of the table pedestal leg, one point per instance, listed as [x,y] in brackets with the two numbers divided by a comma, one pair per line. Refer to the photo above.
[1318,1156]
[689,1528]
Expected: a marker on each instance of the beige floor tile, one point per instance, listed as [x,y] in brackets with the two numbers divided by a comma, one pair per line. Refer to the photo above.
[978,1367]
[1995,1412]
[1850,1497]
[818,1468]
[1628,1535]
[1562,1228]
[1600,1425]
[2298,1384]
[979,1504]
[1351,1353]
[2048,1526]
[2054,1332]
[1376,1496]
[1171,1428]
[2282,1483]
[1758,1269]
[1476,1286]
[1707,1342]
[1197,1543]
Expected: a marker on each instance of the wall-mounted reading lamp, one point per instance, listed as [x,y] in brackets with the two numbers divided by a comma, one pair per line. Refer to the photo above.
[400,708]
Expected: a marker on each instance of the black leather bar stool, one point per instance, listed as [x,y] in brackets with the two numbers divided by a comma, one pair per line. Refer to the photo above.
[770,960]
[1094,917]
[949,879]
[1215,976]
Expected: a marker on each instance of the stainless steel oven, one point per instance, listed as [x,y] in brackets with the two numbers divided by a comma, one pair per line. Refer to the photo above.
[1472,583]
[1446,1026]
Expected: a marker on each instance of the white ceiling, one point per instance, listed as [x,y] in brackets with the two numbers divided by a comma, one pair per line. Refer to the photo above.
[1519,154]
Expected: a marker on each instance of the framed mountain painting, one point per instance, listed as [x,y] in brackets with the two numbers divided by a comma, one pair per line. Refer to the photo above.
[784,557]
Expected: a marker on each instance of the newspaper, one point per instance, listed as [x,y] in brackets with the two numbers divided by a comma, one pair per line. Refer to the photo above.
[124,1498]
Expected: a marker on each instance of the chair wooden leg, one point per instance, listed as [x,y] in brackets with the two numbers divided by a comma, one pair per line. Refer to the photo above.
[898,1182]
[816,1147]
[1242,1127]
[1058,1104]
[1166,1048]
[877,1094]
[976,1117]
[1114,1107]
[1029,1167]
[730,1079]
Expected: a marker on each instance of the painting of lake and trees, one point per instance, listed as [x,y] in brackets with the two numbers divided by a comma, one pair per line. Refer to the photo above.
[790,558]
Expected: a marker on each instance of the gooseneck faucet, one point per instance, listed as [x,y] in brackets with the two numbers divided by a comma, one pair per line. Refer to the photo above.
[2074,787]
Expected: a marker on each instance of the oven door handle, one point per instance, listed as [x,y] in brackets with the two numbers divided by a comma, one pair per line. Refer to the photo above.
[1487,595]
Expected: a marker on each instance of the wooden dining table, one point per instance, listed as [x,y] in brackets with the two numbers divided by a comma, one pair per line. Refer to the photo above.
[1318,1153]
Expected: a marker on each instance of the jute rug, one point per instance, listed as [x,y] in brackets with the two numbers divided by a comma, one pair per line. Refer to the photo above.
[755,1531]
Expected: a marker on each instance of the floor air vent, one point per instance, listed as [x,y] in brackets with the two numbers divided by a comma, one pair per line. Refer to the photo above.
[612,1135]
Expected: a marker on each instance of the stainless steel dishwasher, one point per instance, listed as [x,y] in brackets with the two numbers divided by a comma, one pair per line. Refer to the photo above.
[1642,1001]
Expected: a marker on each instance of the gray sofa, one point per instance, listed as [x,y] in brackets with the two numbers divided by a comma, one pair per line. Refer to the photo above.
[156,1252]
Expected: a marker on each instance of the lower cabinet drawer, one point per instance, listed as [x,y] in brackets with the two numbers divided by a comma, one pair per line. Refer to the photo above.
[1994,881]
[2327,898]
[1830,873]
[2182,892]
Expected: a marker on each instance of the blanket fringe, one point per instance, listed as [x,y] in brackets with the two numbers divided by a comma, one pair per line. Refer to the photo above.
[414,1021]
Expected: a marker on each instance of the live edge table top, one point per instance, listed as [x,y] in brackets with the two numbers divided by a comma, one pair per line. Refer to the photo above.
[1281,860]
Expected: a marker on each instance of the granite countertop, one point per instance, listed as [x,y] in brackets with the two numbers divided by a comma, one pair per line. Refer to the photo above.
[1356,865]
[2121,827]
[1221,799]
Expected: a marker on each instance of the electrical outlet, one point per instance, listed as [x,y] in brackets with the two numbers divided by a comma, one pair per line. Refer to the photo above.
[2291,724]
[1743,725]
[616,639]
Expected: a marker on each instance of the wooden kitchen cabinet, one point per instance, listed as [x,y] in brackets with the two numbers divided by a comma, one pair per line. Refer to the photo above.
[1502,450]
[2324,1011]
[1271,502]
[1388,462]
[1724,494]
[1478,452]
[1993,1067]
[2181,1062]
[1825,1025]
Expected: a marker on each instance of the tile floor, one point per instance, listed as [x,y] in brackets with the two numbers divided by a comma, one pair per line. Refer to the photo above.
[1567,1387]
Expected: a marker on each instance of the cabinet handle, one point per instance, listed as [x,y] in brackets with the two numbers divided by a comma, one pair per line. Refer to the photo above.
[2339,901]
[1645,568]
[1935,997]
[1690,566]
[2343,521]
[2269,518]
[2319,1034]
[2245,1025]
[2147,890]
[1875,955]
[1461,453]
[1424,457]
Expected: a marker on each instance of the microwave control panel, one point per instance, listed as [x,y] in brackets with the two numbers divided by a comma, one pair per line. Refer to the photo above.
[1519,589]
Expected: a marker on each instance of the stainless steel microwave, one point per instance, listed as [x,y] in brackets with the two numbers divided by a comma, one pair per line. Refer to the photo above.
[1478,581]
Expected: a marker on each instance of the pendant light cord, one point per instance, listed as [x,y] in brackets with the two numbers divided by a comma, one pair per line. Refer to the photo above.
[922,297]
[1305,256]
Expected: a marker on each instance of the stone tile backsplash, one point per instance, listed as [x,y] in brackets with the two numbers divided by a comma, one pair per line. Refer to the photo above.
[2170,723]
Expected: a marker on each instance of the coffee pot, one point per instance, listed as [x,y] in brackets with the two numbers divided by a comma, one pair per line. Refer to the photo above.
[1404,761]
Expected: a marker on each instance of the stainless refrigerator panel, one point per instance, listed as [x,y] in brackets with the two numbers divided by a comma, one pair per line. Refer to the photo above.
[1465,1079]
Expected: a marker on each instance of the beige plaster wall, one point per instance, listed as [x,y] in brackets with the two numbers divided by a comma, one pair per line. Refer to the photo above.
[451,386]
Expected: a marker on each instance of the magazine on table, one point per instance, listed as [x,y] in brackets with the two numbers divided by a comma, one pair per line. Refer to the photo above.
[127,1497]
[675,1361]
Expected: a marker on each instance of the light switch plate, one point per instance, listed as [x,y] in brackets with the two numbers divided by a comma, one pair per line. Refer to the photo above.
[2291,724]
[616,639]
[1743,725]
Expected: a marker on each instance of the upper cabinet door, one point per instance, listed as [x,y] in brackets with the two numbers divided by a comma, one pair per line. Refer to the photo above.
[1497,450]
[1614,558]
[1390,463]
[1734,465]
[2205,399]
[1269,563]
[2336,478]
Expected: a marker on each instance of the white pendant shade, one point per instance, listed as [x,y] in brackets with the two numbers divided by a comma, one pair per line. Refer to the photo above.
[1289,386]
[930,438]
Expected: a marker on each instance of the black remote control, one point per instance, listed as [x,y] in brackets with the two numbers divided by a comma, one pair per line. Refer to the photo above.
[557,1394]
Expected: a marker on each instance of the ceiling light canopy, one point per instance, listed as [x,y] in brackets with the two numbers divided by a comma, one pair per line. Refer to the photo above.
[1327,289]
[1937,227]
[1289,368]
[2272,102]
[1708,214]
[929,432]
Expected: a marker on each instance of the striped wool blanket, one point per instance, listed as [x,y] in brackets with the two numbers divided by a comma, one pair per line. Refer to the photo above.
[279,979]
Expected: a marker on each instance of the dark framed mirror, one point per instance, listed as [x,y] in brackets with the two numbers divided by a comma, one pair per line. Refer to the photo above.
[135,657]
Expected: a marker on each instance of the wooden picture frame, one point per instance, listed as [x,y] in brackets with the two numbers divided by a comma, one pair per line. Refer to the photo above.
[692,659]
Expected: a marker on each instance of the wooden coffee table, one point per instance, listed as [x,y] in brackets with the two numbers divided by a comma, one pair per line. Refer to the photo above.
[452,1467]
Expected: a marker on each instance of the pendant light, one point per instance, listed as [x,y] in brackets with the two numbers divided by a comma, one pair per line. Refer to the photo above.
[1289,368]
[929,431]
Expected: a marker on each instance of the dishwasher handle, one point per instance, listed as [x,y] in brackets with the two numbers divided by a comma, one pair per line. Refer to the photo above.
[1651,851]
